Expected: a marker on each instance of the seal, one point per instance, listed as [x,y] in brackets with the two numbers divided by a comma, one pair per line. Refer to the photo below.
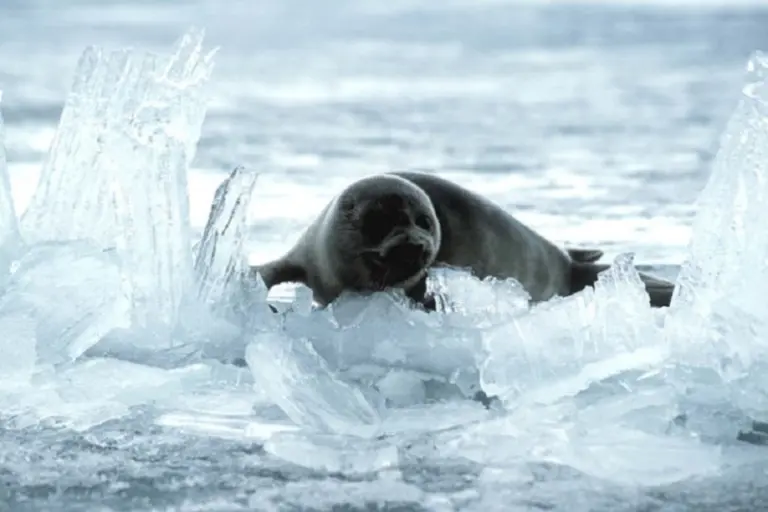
[387,230]
[381,232]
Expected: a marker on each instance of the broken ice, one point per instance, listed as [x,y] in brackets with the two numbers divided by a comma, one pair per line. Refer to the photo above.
[718,317]
[730,232]
[529,357]
[99,390]
[221,265]
[300,382]
[9,225]
[116,170]
[368,336]
[74,293]
[476,302]
[18,352]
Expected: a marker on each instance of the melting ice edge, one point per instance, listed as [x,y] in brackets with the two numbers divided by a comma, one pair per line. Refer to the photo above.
[107,304]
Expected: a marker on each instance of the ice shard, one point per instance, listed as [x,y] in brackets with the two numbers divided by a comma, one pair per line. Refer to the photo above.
[385,332]
[560,346]
[18,351]
[9,224]
[300,382]
[719,316]
[729,243]
[220,263]
[116,169]
[73,293]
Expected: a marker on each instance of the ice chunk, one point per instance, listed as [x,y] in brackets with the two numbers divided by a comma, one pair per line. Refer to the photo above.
[73,291]
[730,231]
[476,302]
[10,239]
[382,330]
[600,447]
[718,317]
[220,264]
[95,391]
[632,457]
[541,355]
[17,349]
[116,170]
[402,387]
[299,381]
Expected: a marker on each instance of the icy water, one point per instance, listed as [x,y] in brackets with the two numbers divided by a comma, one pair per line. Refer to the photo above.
[595,124]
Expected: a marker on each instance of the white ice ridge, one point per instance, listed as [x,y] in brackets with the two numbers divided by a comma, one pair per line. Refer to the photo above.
[116,172]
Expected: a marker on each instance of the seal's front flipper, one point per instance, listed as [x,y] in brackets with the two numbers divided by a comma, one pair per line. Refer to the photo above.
[278,272]
[585,255]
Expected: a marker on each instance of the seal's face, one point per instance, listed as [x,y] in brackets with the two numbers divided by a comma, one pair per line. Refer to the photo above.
[399,236]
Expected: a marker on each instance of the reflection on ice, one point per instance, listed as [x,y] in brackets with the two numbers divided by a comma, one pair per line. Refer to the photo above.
[106,308]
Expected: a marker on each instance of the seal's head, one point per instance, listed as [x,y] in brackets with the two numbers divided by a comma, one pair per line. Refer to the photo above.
[389,234]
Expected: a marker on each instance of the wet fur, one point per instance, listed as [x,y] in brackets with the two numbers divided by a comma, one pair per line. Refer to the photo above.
[474,233]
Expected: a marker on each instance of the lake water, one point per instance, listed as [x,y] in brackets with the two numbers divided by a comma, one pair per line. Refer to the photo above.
[595,124]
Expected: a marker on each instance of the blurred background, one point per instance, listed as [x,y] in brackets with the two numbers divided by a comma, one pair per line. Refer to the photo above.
[595,123]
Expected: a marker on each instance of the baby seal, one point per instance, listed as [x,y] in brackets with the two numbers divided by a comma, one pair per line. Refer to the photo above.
[381,232]
[386,231]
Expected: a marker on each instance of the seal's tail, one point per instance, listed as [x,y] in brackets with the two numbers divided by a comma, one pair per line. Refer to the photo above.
[585,274]
[659,290]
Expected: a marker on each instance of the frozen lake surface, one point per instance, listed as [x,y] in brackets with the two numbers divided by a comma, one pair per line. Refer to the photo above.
[596,124]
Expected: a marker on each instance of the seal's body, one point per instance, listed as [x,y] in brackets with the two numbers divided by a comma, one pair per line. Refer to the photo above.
[386,231]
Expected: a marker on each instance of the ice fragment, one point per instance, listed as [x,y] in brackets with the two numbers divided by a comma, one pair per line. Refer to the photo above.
[74,293]
[18,352]
[529,357]
[299,381]
[476,302]
[220,264]
[9,224]
[730,230]
[116,170]
[719,318]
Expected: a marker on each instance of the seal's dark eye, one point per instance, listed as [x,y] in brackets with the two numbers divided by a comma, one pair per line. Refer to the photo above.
[423,222]
[376,225]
